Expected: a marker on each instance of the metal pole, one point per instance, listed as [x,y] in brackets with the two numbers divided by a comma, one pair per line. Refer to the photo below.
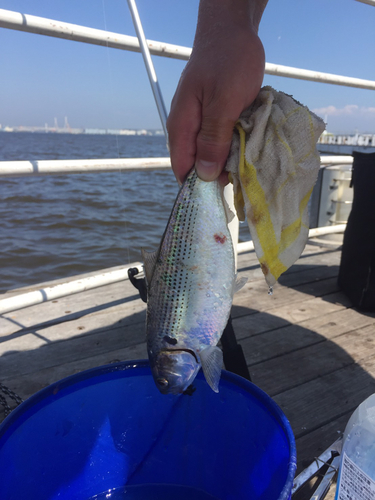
[369,2]
[149,66]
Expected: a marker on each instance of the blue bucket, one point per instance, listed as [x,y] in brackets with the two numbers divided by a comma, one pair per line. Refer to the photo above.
[108,433]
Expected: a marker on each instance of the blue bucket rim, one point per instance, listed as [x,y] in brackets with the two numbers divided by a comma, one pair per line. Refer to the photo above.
[54,388]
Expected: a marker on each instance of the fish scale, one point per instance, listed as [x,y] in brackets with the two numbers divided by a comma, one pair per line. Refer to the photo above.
[190,278]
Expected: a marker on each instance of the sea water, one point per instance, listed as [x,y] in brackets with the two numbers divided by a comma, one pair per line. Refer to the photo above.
[154,492]
[56,226]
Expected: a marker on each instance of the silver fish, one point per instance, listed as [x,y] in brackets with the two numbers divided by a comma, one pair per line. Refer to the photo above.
[190,285]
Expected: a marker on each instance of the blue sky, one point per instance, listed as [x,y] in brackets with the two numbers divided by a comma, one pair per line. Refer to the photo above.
[43,77]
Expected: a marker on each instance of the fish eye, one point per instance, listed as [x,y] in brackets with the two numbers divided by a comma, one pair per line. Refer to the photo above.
[162,381]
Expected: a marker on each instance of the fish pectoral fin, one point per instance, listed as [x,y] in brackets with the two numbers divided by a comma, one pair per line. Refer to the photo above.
[240,283]
[149,261]
[211,358]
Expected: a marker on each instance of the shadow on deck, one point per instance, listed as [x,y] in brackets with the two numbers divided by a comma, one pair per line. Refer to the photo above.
[305,346]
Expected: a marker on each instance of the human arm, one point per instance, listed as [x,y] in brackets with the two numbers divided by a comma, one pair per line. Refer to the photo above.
[221,79]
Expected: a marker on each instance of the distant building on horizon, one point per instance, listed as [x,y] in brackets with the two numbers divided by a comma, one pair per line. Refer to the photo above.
[68,130]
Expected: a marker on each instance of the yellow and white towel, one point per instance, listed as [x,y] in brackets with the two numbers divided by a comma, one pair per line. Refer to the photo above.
[274,164]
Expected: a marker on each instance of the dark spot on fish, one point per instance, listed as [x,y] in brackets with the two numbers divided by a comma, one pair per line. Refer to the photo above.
[190,390]
[170,340]
[220,238]
[265,269]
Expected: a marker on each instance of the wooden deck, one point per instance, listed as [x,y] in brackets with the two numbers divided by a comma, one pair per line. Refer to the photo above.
[305,345]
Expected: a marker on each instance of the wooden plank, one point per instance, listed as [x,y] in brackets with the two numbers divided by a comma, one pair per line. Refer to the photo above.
[328,397]
[282,373]
[303,308]
[26,385]
[117,317]
[276,343]
[309,274]
[320,315]
[249,322]
[255,295]
[338,322]
[333,319]
[249,260]
[78,347]
[309,263]
[313,444]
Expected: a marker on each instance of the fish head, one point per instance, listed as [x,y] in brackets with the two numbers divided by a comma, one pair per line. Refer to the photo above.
[175,370]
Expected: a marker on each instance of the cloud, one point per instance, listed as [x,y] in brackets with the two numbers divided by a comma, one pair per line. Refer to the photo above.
[348,110]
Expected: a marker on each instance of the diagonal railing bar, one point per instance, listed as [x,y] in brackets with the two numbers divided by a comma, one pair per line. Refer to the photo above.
[50,27]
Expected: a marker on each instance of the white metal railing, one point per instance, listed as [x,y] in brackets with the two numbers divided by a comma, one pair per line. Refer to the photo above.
[42,167]
[58,29]
[58,167]
[64,289]
[50,27]
[108,277]
[336,160]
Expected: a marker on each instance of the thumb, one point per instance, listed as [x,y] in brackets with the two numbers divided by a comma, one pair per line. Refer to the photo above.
[213,145]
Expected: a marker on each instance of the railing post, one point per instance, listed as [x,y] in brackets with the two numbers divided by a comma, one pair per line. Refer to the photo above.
[149,66]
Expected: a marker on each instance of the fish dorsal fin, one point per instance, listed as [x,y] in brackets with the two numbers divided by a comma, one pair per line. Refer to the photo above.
[240,283]
[212,362]
[149,261]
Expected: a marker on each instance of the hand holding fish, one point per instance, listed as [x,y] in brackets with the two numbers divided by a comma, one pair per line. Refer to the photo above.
[221,79]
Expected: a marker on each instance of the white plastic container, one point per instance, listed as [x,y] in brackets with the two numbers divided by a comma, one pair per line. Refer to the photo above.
[357,469]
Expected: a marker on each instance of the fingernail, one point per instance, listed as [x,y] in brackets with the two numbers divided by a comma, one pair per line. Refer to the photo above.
[207,170]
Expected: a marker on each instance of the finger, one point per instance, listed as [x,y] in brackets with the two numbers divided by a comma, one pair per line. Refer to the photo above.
[183,125]
[224,178]
[214,140]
